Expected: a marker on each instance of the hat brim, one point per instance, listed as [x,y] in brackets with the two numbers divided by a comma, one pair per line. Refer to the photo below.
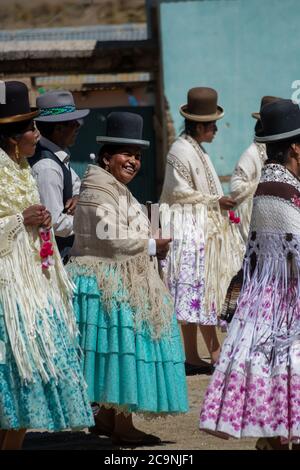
[120,140]
[277,137]
[201,118]
[20,117]
[255,115]
[63,117]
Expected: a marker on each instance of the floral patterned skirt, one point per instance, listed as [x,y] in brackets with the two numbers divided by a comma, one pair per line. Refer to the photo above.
[187,287]
[55,405]
[255,389]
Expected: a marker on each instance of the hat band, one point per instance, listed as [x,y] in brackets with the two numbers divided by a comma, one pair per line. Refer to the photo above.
[56,111]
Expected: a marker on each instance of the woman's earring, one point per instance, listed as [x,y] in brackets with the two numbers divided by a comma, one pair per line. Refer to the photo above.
[17,153]
[107,168]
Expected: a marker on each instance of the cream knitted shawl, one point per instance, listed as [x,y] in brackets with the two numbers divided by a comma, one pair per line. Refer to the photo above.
[28,295]
[111,242]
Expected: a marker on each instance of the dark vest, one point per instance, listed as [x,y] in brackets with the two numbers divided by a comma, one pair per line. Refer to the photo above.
[43,152]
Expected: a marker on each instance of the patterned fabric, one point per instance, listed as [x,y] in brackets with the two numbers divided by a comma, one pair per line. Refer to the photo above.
[58,110]
[55,405]
[255,389]
[207,249]
[187,289]
[41,383]
[126,368]
[21,273]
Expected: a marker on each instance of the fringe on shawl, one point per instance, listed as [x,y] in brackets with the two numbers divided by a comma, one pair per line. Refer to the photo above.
[224,251]
[272,265]
[136,281]
[29,297]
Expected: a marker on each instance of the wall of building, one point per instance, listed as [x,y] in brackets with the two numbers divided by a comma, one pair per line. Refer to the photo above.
[109,98]
[244,49]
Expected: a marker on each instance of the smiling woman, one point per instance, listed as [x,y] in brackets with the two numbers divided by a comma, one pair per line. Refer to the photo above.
[133,358]
[37,328]
[123,162]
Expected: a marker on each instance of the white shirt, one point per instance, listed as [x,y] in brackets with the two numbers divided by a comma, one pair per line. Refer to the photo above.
[50,180]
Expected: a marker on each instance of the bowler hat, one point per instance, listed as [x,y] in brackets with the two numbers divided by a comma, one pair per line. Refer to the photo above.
[202,105]
[58,106]
[280,121]
[264,101]
[14,103]
[124,128]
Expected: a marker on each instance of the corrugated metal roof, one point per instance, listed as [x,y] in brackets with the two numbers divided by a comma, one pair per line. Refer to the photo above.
[122,32]
[80,82]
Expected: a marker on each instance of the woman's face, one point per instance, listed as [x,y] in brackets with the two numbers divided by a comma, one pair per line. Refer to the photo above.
[125,164]
[27,141]
[207,131]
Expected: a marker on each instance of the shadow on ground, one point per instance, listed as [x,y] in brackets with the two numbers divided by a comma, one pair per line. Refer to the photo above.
[70,440]
[66,441]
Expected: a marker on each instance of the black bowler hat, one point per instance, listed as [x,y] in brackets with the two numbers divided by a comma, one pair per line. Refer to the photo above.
[280,121]
[14,103]
[124,128]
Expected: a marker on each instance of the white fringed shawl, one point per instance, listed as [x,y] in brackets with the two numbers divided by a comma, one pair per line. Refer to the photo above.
[191,179]
[27,294]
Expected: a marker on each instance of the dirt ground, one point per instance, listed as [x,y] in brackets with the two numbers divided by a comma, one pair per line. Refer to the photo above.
[180,432]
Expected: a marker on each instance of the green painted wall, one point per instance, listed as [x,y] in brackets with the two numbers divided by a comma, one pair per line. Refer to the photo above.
[243,48]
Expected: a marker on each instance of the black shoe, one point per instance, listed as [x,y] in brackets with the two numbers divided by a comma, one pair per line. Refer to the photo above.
[193,369]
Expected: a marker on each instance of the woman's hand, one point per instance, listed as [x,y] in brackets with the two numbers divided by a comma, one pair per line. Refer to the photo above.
[47,222]
[71,205]
[162,247]
[227,203]
[35,215]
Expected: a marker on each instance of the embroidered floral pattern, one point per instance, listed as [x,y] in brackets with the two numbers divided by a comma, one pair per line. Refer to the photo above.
[255,389]
[209,176]
[275,172]
[181,168]
[251,405]
[188,288]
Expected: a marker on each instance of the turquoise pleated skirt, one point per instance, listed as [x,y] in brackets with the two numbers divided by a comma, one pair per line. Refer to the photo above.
[124,368]
[55,405]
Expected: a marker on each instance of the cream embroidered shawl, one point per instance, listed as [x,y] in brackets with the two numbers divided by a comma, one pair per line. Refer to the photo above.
[244,182]
[191,179]
[111,242]
[27,294]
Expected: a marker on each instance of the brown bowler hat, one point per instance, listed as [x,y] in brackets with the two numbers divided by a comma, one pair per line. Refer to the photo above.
[265,100]
[202,105]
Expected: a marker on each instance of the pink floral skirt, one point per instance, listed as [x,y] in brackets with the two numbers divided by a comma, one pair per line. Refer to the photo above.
[255,389]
